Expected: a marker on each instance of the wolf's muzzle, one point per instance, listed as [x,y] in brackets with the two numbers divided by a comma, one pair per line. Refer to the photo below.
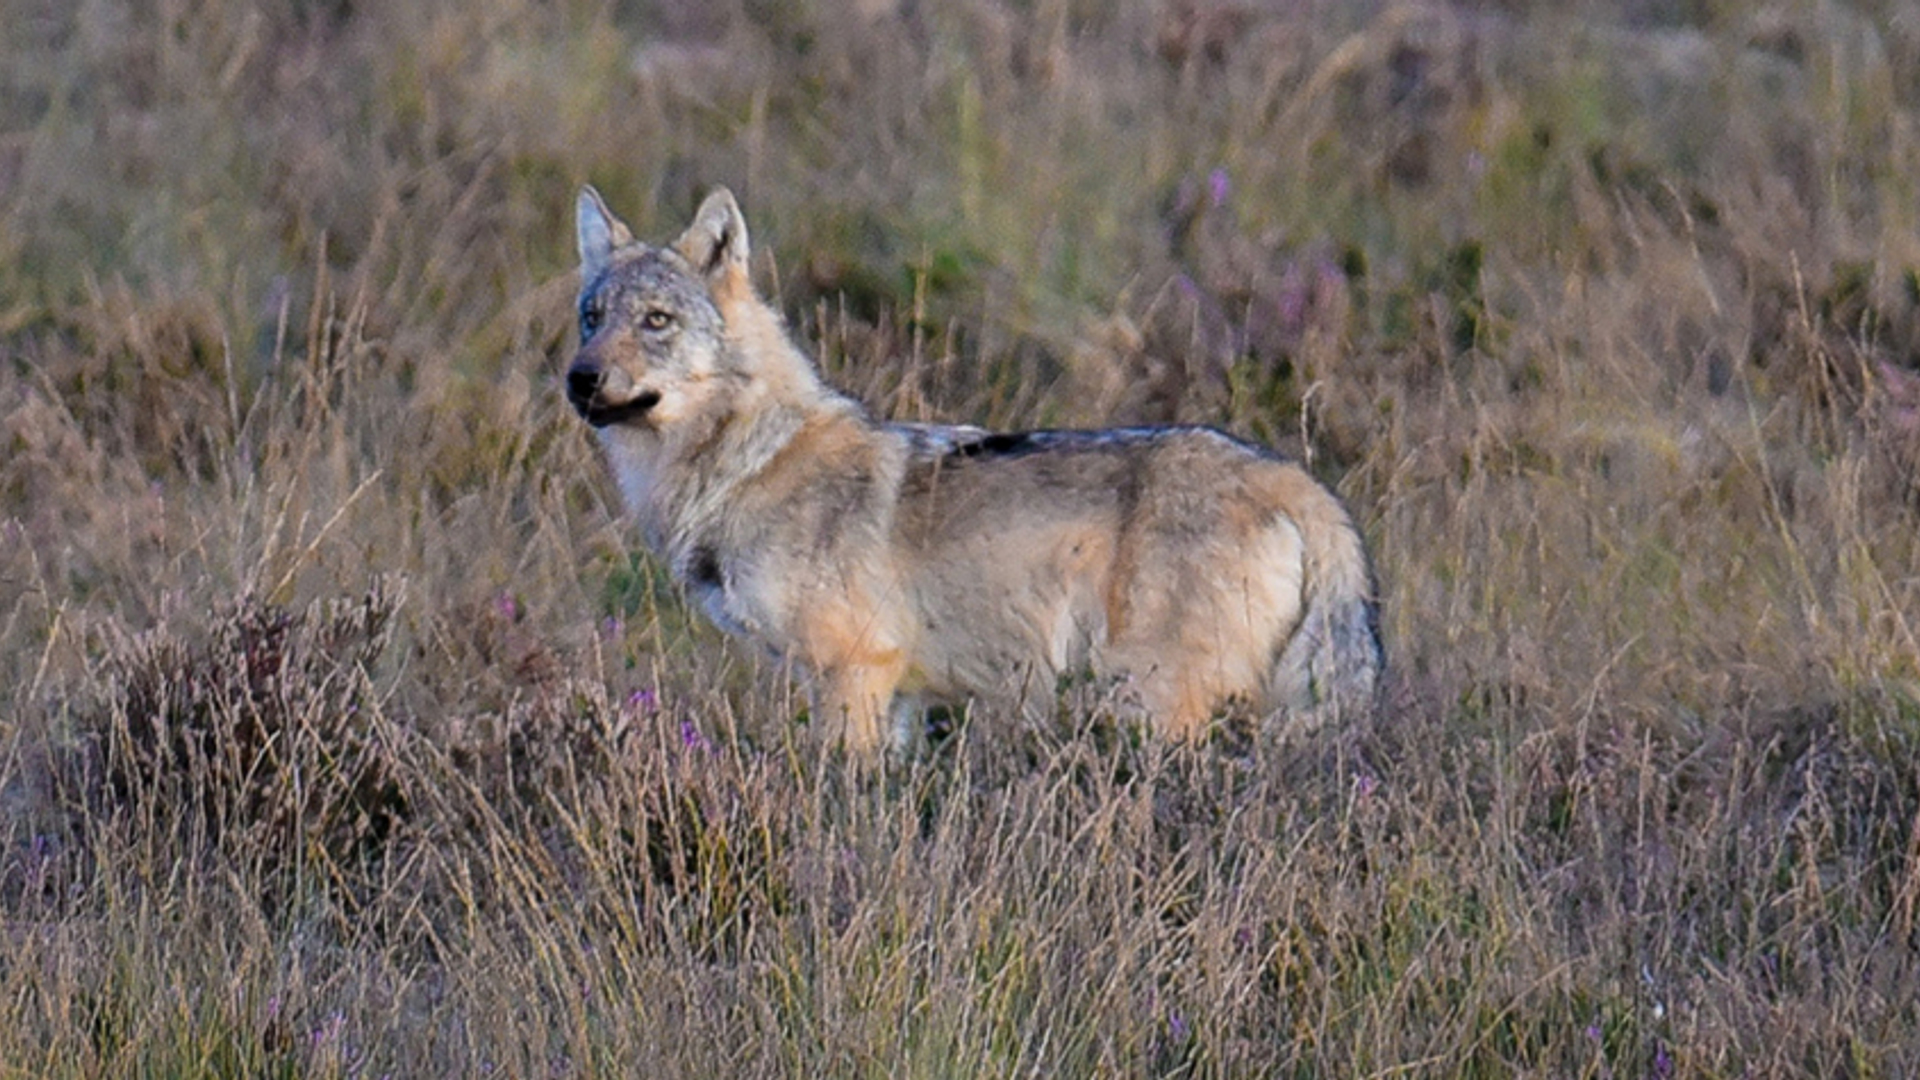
[584,384]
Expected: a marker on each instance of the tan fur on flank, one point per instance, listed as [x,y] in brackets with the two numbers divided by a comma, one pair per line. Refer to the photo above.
[899,565]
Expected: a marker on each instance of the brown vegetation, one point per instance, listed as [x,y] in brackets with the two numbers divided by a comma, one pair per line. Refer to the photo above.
[342,735]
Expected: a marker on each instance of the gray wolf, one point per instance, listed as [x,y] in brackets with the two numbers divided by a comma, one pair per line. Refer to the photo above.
[902,565]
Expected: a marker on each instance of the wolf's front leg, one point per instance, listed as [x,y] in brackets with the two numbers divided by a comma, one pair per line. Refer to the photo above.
[850,704]
[909,719]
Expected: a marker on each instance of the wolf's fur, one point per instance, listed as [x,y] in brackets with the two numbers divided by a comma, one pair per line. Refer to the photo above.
[901,564]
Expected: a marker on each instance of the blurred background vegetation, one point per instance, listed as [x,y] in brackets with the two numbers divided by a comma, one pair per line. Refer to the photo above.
[344,734]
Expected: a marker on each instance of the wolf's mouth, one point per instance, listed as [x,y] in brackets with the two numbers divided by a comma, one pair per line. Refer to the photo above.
[585,386]
[607,415]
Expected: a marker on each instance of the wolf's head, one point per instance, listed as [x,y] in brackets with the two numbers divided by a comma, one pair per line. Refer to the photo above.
[653,321]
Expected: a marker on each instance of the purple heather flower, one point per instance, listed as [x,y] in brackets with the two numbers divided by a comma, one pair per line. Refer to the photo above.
[1328,277]
[691,738]
[329,1031]
[1293,297]
[1218,186]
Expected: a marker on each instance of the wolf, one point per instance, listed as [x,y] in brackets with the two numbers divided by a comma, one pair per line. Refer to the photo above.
[898,566]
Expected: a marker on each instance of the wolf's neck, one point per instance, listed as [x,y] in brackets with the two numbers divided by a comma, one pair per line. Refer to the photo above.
[757,335]
[710,465]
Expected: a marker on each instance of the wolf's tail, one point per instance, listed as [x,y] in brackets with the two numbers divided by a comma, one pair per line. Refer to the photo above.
[1331,666]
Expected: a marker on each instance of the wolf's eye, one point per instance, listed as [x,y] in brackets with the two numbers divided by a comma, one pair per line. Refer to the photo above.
[590,319]
[656,320]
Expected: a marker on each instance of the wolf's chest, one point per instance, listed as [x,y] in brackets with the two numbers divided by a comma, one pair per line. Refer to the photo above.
[730,593]
[705,574]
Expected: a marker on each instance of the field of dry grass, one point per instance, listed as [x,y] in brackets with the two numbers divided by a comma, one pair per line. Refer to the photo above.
[343,734]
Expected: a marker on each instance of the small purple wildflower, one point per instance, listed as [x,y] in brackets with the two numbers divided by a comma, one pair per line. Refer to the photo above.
[507,607]
[1366,784]
[1176,1026]
[691,738]
[1662,1061]
[1593,1032]
[329,1031]
[1328,279]
[642,702]
[1219,187]
[1293,296]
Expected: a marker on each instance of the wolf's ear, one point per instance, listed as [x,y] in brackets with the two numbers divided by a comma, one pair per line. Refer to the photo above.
[716,242]
[600,233]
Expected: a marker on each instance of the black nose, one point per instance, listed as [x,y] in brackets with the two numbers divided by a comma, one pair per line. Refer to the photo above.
[583,383]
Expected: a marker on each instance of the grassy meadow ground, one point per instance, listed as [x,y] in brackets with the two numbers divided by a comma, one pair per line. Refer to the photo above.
[342,735]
